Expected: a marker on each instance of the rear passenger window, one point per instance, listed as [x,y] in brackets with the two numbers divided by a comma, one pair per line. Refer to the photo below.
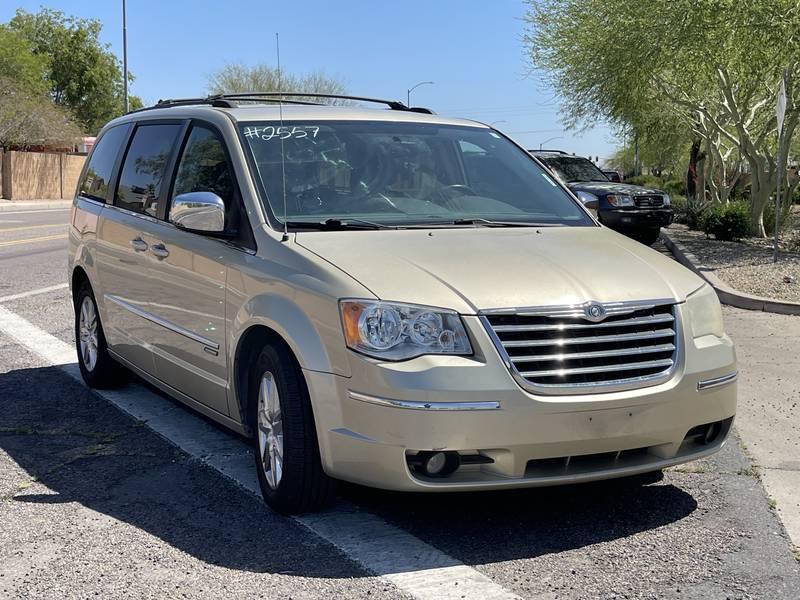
[144,168]
[94,183]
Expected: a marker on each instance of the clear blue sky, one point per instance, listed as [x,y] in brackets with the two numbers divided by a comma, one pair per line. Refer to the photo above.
[471,49]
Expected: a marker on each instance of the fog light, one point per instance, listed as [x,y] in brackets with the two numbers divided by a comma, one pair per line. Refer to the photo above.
[437,464]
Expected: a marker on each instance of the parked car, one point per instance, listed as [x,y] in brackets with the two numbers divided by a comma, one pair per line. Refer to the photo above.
[614,176]
[387,297]
[634,210]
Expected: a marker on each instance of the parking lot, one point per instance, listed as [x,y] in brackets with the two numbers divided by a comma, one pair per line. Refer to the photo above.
[129,494]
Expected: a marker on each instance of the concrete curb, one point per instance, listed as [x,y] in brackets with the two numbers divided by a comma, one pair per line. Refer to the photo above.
[726,294]
[9,205]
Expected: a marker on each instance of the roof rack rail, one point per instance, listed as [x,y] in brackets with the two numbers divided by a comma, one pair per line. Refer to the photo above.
[547,150]
[232,100]
[393,104]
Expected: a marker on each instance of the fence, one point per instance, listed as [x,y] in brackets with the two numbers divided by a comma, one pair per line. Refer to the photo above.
[39,175]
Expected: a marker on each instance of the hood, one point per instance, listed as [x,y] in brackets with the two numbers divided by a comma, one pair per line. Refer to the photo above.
[601,188]
[472,269]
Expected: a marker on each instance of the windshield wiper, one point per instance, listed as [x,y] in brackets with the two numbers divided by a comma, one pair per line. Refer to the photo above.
[491,223]
[339,224]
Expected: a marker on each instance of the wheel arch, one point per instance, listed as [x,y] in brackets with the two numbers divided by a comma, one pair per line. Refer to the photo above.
[248,347]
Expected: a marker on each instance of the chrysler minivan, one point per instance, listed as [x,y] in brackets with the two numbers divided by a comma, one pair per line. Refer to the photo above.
[389,297]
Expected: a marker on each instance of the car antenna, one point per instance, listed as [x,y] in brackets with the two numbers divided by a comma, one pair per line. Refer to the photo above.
[285,237]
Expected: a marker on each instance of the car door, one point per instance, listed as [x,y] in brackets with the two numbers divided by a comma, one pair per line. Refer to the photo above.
[189,270]
[122,265]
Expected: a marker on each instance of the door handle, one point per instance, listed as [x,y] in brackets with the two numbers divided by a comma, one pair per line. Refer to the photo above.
[139,244]
[159,250]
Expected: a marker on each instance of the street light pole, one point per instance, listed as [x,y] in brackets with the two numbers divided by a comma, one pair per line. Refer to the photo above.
[412,88]
[558,137]
[124,58]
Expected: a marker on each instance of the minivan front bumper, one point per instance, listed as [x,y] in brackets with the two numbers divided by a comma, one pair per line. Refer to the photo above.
[372,425]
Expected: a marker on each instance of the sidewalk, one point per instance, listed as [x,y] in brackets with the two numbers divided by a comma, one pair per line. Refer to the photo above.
[15,205]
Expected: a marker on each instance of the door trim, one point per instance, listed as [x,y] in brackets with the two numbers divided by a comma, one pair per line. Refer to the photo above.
[163,322]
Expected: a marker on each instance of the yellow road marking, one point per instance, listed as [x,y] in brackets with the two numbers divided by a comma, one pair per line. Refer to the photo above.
[33,227]
[32,240]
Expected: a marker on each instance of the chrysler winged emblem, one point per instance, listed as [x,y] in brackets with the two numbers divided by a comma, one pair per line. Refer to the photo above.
[594,312]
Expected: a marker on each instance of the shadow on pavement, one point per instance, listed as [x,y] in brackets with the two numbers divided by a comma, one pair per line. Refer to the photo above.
[84,450]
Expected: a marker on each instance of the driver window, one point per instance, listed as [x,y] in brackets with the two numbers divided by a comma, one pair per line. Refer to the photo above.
[203,167]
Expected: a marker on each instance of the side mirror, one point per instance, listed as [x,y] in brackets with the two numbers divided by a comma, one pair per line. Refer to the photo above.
[203,212]
[590,201]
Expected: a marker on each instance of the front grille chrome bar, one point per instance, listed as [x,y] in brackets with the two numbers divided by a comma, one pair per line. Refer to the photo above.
[601,369]
[596,354]
[566,326]
[624,337]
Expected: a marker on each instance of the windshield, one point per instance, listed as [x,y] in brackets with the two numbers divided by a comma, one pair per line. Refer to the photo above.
[571,169]
[376,173]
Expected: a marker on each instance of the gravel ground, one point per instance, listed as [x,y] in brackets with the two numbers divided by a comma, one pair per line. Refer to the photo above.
[747,265]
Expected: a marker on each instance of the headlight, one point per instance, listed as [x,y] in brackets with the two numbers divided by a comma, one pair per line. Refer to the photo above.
[666,200]
[705,312]
[395,331]
[620,200]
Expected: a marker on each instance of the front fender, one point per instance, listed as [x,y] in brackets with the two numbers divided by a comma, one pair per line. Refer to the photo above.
[314,334]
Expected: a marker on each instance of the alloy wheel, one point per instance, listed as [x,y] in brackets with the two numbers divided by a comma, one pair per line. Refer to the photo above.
[270,430]
[87,330]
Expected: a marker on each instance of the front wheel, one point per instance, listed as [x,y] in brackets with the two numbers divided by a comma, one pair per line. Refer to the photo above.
[287,455]
[97,367]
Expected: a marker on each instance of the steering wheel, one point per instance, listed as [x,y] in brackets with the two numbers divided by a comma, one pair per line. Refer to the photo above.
[455,190]
[445,195]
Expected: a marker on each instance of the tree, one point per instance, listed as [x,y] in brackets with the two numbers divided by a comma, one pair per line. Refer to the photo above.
[714,64]
[83,74]
[239,78]
[18,64]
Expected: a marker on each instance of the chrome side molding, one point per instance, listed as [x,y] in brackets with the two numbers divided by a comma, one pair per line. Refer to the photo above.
[415,405]
[163,322]
[705,384]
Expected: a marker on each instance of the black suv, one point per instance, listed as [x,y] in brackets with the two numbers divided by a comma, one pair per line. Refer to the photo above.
[634,210]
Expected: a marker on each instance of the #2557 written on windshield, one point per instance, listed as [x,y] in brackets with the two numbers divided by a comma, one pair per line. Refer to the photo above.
[282,132]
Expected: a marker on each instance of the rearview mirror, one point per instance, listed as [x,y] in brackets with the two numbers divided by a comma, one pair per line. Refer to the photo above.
[589,200]
[203,212]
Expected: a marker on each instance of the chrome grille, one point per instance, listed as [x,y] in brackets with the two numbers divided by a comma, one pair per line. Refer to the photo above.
[557,349]
[649,201]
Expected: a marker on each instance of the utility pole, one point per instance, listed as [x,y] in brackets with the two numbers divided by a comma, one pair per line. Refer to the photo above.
[124,58]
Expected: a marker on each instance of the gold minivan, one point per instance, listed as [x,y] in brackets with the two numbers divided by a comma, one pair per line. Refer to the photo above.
[388,297]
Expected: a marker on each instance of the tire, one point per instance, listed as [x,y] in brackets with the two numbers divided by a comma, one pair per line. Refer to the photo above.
[647,237]
[97,367]
[298,484]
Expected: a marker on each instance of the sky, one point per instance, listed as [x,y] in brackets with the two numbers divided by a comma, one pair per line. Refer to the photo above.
[471,49]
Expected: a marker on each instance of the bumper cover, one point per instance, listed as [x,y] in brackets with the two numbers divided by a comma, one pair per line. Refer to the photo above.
[369,424]
[636,218]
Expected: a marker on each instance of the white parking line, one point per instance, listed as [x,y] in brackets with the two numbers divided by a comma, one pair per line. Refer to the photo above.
[412,565]
[28,294]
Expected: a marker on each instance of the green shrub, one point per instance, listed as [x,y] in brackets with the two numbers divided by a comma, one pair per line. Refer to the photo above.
[696,211]
[675,187]
[728,221]
[646,181]
[679,207]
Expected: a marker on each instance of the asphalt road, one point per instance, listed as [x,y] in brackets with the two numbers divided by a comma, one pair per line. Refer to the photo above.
[93,502]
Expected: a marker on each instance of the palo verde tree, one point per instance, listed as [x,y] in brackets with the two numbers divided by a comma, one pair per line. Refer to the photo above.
[239,78]
[714,64]
[82,73]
